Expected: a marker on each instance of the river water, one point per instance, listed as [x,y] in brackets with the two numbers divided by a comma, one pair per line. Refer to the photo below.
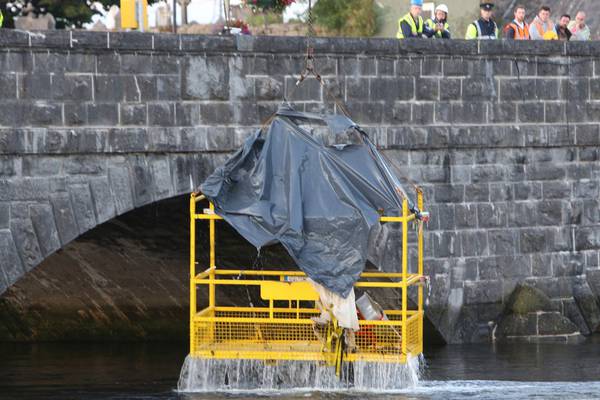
[150,371]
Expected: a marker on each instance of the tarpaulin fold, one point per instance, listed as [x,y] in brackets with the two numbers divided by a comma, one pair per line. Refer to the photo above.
[317,185]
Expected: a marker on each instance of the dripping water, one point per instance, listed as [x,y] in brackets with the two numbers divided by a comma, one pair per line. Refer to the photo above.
[212,375]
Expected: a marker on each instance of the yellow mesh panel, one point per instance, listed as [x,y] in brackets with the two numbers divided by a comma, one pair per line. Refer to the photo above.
[293,335]
[281,327]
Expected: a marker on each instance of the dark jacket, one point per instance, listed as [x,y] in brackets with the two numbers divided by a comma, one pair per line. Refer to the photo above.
[445,34]
[482,29]
[563,33]
[514,31]
[407,32]
[488,28]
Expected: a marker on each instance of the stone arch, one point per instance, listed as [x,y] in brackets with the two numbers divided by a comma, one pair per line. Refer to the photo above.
[57,198]
[127,278]
[47,213]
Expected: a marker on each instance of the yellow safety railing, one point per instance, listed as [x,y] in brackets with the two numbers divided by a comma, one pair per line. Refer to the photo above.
[282,328]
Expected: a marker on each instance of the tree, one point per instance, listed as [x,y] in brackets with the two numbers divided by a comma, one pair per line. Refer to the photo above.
[362,20]
[268,10]
[347,17]
[67,13]
[276,6]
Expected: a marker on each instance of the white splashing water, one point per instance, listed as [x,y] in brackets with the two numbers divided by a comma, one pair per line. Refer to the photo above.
[210,375]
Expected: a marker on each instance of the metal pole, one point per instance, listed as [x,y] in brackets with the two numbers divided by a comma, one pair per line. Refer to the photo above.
[404,274]
[421,206]
[174,16]
[212,258]
[193,309]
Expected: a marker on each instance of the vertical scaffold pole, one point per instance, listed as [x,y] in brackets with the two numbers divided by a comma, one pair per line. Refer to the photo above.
[192,270]
[404,273]
[420,204]
[213,263]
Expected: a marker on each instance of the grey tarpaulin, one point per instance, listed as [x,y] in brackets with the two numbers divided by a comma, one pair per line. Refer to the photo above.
[316,184]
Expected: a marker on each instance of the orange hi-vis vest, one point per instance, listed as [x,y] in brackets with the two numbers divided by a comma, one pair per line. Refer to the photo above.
[541,28]
[520,33]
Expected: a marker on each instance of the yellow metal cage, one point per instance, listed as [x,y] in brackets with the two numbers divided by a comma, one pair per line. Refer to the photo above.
[283,328]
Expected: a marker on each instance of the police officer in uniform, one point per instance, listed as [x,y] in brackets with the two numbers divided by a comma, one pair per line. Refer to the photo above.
[484,27]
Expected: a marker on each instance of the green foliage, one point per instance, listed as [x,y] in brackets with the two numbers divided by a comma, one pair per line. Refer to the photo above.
[331,14]
[362,21]
[347,17]
[276,6]
[264,18]
[67,13]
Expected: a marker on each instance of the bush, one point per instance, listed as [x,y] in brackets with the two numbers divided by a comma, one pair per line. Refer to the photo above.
[347,17]
[264,18]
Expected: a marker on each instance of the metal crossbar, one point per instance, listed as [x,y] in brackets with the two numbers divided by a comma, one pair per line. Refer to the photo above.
[287,329]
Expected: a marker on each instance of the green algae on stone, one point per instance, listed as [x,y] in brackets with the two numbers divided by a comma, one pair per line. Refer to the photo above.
[526,299]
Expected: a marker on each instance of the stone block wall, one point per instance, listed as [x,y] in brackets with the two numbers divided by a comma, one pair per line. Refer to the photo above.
[503,137]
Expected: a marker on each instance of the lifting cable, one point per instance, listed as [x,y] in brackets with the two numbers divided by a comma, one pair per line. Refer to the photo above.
[310,70]
[309,63]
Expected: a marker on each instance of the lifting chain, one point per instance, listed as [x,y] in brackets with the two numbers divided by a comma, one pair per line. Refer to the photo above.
[311,29]
[310,50]
[309,68]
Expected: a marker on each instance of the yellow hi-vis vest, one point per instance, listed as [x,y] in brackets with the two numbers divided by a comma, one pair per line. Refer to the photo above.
[416,30]
[1,18]
[431,24]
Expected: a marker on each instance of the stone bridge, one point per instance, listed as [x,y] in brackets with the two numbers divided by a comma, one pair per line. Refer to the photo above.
[504,138]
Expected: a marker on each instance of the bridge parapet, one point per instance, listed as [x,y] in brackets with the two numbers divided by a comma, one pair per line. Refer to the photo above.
[504,137]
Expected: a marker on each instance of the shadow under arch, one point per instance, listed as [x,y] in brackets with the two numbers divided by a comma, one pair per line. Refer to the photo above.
[128,280]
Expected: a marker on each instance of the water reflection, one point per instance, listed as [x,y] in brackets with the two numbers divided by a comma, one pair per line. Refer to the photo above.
[150,371]
[516,362]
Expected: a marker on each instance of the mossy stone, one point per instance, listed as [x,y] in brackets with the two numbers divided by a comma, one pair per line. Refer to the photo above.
[525,299]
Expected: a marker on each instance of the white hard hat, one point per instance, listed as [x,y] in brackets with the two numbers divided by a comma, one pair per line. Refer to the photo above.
[442,7]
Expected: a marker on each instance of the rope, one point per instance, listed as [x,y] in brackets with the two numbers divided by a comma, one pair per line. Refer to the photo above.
[256,265]
[340,105]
